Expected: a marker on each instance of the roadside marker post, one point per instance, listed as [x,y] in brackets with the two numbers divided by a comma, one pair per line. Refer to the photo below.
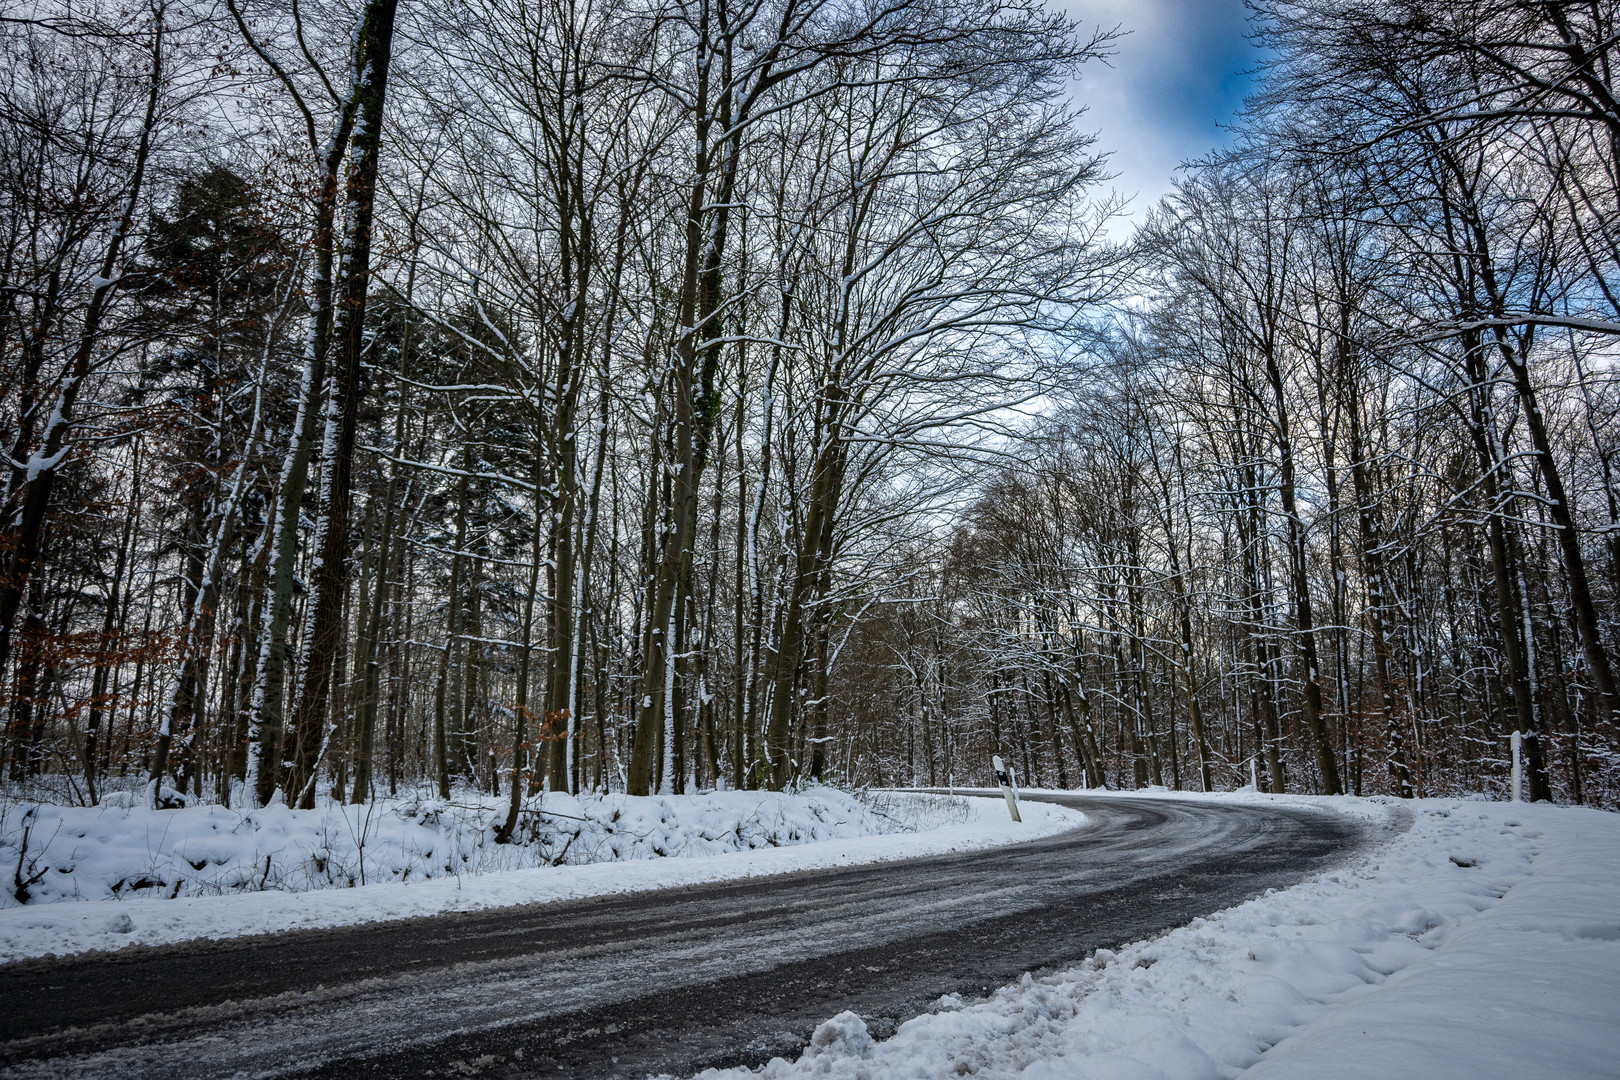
[1006,787]
[1518,767]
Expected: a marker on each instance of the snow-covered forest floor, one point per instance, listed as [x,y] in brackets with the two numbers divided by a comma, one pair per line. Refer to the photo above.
[212,872]
[1482,942]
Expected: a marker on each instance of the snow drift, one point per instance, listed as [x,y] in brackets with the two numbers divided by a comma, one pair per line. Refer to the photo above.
[125,849]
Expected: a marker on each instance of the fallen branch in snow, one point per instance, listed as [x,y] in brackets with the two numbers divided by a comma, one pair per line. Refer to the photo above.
[20,884]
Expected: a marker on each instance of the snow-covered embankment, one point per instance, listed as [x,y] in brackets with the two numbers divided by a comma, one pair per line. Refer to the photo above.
[162,876]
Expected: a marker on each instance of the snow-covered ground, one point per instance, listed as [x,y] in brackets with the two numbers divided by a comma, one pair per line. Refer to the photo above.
[1482,942]
[154,877]
[124,849]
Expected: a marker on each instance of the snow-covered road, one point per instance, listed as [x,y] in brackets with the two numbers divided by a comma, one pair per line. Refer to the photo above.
[1482,943]
[709,975]
[620,844]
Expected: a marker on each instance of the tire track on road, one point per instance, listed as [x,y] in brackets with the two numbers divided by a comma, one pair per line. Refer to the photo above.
[675,981]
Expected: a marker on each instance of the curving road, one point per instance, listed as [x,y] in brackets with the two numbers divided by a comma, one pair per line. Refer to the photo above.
[662,982]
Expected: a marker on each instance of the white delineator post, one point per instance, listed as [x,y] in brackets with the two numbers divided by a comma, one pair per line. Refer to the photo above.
[1006,787]
[1517,740]
[1254,775]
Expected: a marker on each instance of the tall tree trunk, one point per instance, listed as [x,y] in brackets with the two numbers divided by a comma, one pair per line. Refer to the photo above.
[1257,644]
[323,631]
[265,723]
[693,369]
[35,476]
[1562,513]
[520,707]
[1298,572]
[99,698]
[1511,622]
[197,639]
[1372,568]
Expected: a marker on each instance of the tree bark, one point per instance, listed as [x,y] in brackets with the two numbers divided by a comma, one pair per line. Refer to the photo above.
[373,49]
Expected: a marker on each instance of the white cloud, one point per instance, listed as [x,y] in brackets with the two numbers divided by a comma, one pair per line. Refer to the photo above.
[1176,76]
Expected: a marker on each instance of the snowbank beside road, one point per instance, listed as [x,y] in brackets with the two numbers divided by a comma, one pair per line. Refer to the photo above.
[124,849]
[1483,942]
[423,858]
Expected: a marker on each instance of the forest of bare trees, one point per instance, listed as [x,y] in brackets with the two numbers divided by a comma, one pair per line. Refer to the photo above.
[659,395]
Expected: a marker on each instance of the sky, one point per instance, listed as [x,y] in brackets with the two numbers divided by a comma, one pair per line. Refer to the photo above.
[1177,75]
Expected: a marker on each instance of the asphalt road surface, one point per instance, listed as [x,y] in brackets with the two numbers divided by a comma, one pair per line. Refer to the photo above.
[668,982]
